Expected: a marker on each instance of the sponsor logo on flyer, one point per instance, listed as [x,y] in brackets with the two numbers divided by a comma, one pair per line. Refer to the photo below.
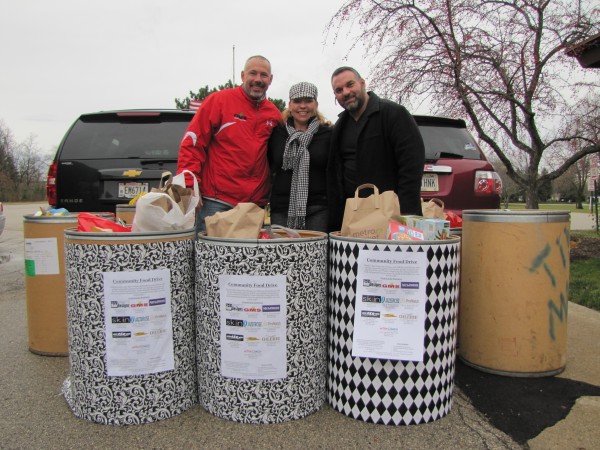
[270,339]
[129,319]
[371,283]
[157,332]
[157,301]
[117,304]
[271,308]
[234,337]
[232,307]
[408,316]
[252,338]
[409,285]
[379,299]
[374,314]
[234,322]
[121,334]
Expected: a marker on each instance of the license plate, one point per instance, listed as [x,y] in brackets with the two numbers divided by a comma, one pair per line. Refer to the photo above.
[429,182]
[130,190]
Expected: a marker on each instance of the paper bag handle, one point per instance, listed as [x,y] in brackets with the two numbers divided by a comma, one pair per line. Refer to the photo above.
[162,185]
[365,186]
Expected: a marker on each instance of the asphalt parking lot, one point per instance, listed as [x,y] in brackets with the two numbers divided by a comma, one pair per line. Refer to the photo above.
[488,411]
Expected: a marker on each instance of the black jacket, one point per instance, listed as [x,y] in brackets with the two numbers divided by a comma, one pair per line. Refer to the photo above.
[389,154]
[281,180]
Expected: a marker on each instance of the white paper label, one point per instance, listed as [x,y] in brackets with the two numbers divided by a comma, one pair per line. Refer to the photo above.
[41,256]
[139,331]
[253,326]
[389,315]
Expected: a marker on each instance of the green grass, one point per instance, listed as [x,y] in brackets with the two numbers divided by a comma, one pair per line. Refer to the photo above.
[584,283]
[553,207]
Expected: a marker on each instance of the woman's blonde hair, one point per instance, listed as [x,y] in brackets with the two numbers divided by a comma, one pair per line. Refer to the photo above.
[285,115]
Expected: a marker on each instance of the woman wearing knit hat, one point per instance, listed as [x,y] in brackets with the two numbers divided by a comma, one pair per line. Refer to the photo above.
[298,152]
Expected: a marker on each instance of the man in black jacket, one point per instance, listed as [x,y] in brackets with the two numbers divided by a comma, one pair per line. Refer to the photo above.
[374,141]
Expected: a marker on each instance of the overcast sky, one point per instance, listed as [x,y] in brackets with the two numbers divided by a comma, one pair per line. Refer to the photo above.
[62,58]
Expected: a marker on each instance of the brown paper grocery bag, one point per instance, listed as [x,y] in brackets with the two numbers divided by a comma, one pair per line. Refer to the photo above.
[433,209]
[369,217]
[243,222]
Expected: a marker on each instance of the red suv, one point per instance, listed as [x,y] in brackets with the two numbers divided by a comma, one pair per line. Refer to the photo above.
[456,170]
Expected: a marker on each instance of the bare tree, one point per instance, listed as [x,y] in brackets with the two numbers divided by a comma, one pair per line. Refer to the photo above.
[32,166]
[500,63]
[8,170]
[573,184]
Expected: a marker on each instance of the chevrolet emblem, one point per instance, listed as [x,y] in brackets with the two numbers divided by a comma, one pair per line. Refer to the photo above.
[132,173]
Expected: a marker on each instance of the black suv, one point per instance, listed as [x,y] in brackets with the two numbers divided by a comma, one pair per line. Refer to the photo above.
[107,158]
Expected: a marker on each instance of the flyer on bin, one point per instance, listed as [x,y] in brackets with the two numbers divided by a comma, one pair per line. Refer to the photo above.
[253,326]
[389,314]
[137,314]
[41,257]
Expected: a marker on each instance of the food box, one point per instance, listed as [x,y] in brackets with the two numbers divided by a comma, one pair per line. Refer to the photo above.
[433,229]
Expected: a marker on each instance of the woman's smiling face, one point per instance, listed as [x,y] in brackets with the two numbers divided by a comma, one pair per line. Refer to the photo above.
[302,110]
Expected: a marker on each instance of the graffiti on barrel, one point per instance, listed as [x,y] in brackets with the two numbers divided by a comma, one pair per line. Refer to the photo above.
[541,260]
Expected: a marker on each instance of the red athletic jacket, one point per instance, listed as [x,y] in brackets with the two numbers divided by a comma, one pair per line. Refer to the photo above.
[225,145]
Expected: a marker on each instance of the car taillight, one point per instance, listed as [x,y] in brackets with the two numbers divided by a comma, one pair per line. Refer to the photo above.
[51,184]
[487,182]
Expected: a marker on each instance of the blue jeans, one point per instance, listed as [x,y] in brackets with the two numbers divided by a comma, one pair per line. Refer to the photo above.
[209,208]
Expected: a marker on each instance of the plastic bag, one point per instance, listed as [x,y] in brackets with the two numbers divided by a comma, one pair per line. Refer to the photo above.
[92,223]
[170,207]
[455,220]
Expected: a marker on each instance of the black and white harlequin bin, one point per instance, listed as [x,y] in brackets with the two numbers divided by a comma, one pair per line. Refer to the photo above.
[262,327]
[392,328]
[130,323]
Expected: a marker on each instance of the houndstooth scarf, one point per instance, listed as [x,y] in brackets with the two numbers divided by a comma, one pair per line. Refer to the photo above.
[297,158]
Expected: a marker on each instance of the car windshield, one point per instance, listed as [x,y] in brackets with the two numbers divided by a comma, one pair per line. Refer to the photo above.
[448,142]
[132,138]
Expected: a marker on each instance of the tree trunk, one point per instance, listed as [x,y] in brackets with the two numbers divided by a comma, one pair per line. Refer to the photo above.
[531,198]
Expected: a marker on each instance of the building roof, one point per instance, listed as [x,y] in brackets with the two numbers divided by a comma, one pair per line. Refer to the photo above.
[587,52]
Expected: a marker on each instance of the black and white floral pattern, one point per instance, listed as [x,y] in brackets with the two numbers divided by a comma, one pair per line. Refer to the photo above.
[127,400]
[304,262]
[386,391]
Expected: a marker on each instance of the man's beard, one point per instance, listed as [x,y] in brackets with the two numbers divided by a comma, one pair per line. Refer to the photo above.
[356,105]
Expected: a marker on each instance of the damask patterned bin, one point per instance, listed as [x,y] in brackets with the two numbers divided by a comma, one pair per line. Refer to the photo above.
[396,390]
[131,325]
[262,320]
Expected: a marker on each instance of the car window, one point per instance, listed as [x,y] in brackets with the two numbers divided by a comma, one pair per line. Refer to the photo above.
[102,139]
[448,142]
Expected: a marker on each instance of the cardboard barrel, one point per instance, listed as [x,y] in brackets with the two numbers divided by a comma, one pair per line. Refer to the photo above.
[392,335]
[130,305]
[45,282]
[262,320]
[514,291]
[126,213]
